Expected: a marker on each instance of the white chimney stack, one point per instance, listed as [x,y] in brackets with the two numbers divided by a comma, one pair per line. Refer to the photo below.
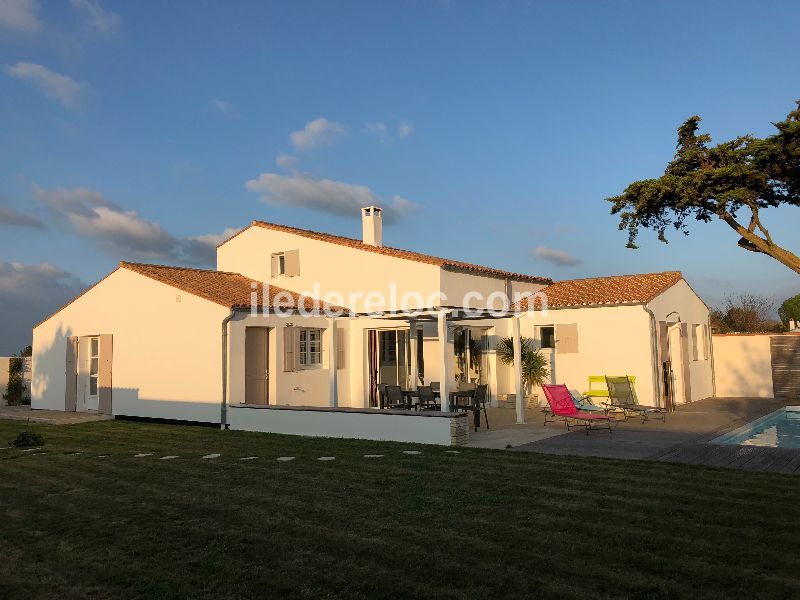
[372,225]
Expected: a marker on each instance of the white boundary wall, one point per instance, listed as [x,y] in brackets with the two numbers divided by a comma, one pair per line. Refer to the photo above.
[743,365]
[366,424]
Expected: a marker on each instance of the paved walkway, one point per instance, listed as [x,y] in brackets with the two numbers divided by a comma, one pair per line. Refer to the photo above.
[50,417]
[683,438]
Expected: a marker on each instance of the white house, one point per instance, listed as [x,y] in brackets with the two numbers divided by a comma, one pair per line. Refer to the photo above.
[295,329]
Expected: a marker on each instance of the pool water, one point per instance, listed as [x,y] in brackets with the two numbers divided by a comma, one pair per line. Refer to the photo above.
[780,429]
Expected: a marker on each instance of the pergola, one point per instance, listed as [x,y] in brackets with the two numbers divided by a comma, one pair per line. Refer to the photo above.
[444,315]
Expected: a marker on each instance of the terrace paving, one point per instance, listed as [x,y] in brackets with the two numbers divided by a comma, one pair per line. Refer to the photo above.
[683,438]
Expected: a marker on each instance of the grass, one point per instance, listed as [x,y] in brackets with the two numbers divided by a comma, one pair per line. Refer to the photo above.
[479,524]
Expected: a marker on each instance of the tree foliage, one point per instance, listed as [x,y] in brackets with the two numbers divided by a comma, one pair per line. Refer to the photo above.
[16,391]
[746,313]
[732,181]
[535,369]
[790,310]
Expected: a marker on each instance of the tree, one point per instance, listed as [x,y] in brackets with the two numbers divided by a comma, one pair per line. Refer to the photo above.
[790,310]
[746,313]
[534,363]
[729,181]
[16,391]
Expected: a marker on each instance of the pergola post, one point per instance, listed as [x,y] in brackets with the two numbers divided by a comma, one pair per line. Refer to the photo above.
[332,367]
[412,348]
[518,370]
[445,376]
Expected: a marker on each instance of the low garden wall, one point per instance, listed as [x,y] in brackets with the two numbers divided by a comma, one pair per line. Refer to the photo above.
[446,429]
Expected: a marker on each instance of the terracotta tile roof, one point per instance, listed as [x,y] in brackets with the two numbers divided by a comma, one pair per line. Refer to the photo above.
[445,263]
[231,290]
[618,289]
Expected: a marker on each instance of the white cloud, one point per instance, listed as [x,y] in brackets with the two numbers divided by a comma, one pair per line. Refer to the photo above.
[29,293]
[54,85]
[325,195]
[316,133]
[20,15]
[557,257]
[404,129]
[224,107]
[9,216]
[96,17]
[202,249]
[91,215]
[286,162]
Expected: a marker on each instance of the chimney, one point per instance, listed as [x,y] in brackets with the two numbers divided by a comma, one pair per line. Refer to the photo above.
[372,225]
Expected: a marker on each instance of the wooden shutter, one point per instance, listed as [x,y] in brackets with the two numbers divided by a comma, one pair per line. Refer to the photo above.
[567,338]
[291,347]
[106,348]
[687,383]
[292,263]
[71,372]
[340,348]
[275,267]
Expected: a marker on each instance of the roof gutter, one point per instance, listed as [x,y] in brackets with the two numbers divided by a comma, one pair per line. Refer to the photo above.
[223,418]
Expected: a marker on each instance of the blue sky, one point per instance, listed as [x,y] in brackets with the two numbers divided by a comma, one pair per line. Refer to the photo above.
[130,130]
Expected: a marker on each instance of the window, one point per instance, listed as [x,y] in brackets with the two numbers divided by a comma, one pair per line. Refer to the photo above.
[285,264]
[547,337]
[94,364]
[310,347]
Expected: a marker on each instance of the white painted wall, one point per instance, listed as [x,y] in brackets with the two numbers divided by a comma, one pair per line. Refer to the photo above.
[612,340]
[336,268]
[167,354]
[743,365]
[306,387]
[367,425]
[681,299]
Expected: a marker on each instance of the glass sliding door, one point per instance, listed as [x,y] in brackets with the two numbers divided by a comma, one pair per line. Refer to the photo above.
[389,356]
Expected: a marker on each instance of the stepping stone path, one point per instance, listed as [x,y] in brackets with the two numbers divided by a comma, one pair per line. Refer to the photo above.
[212,456]
[168,457]
[31,449]
[285,458]
[249,458]
[142,454]
[453,451]
[103,455]
[327,458]
[373,456]
[411,452]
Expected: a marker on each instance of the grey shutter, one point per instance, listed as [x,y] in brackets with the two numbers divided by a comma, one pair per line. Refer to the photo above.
[567,338]
[292,262]
[687,383]
[71,372]
[290,348]
[340,348]
[274,265]
[104,379]
[696,342]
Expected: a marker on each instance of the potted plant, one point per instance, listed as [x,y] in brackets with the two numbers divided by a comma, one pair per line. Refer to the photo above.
[535,368]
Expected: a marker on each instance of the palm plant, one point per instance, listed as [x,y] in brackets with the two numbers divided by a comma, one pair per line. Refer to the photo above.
[535,369]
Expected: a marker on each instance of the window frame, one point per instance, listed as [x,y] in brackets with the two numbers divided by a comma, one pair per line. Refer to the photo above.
[540,338]
[305,347]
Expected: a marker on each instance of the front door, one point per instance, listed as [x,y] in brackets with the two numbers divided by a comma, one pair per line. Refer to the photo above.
[256,370]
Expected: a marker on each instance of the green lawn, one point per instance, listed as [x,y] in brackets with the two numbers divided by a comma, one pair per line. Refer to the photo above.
[479,524]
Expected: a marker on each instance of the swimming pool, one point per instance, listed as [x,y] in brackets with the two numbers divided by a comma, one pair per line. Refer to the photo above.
[779,429]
